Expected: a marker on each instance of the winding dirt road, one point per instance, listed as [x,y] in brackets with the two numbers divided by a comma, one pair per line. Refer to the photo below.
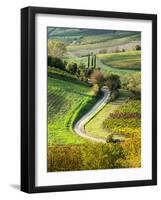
[79,126]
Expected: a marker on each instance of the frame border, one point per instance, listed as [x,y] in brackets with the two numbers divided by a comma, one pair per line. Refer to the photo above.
[28,98]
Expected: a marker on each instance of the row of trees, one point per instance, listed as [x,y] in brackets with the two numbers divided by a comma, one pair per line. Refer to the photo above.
[80,70]
[92,60]
[56,51]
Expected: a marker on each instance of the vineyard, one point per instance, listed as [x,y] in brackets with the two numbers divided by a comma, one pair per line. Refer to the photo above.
[123,60]
[98,43]
[126,119]
[67,101]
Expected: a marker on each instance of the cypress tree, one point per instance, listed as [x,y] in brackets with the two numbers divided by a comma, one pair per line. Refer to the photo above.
[92,60]
[88,61]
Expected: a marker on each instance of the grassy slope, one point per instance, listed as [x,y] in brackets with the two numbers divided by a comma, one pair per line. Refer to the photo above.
[123,60]
[66,102]
[120,63]
[108,37]
[95,126]
[110,69]
[88,41]
[103,44]
[73,32]
[98,44]
[86,35]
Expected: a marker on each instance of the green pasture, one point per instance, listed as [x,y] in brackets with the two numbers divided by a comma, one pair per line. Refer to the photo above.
[67,101]
[130,60]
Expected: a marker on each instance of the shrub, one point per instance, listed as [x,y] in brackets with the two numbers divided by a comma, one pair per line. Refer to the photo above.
[71,67]
[137,47]
[95,89]
[55,62]
[112,81]
[81,72]
[82,66]
[110,138]
[116,50]
[88,71]
[114,95]
[97,77]
[65,63]
[133,84]
[102,51]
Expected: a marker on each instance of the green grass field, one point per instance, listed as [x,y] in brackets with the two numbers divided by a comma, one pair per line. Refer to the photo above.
[95,126]
[124,60]
[67,101]
[92,39]
[110,42]
[118,63]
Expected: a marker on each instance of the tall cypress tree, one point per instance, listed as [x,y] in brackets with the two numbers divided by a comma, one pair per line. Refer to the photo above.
[88,61]
[94,61]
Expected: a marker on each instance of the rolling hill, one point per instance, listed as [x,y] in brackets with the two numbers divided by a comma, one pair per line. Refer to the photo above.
[83,41]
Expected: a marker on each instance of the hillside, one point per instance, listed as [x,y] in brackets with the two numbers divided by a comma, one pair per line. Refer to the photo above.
[83,41]
[81,63]
[123,60]
[67,101]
